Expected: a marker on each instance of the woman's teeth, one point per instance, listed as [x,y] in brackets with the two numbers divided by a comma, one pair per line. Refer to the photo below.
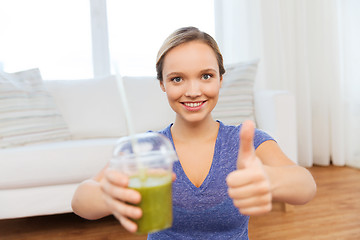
[193,104]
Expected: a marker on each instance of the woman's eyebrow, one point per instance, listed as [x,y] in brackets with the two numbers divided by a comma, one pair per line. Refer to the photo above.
[180,73]
[208,70]
[173,74]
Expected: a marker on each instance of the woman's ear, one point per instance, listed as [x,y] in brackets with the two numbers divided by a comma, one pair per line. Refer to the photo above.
[221,80]
[162,86]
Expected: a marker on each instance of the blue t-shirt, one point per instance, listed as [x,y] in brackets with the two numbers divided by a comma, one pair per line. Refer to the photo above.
[208,212]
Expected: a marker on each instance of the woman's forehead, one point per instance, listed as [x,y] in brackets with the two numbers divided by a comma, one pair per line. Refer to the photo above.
[189,55]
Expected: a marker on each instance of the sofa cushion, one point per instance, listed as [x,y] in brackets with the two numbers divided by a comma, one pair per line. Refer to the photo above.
[149,106]
[236,98]
[93,107]
[28,113]
[53,163]
[44,200]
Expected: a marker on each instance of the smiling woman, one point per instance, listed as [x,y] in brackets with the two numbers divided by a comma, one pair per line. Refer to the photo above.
[224,174]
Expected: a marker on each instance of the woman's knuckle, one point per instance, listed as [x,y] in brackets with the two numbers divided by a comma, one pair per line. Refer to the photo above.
[268,207]
[120,208]
[237,203]
[231,192]
[264,187]
[128,211]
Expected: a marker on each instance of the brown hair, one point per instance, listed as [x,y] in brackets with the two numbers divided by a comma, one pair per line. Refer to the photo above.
[184,35]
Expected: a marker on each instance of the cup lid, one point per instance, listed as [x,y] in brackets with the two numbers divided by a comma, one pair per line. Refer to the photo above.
[142,144]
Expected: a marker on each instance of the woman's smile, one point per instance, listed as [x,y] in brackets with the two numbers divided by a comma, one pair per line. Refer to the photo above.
[193,106]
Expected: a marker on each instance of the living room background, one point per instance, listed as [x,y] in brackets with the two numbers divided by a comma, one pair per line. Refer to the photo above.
[306,88]
[309,48]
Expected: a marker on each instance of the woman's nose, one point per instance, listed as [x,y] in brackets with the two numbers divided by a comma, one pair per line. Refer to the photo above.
[193,89]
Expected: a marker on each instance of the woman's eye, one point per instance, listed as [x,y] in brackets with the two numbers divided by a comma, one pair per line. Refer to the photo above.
[176,79]
[206,76]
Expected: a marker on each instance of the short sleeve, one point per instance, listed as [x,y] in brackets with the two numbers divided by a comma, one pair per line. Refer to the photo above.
[260,137]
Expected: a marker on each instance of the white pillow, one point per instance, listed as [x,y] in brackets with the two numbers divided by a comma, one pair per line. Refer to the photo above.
[28,113]
[236,98]
[91,107]
[149,106]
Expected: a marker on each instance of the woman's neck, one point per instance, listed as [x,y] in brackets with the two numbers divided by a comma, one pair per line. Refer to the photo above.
[193,131]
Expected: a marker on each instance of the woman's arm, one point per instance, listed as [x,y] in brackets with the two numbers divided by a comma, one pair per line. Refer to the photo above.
[88,201]
[289,182]
[265,175]
[106,194]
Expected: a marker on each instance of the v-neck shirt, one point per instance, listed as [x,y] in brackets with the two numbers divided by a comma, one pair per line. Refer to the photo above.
[207,212]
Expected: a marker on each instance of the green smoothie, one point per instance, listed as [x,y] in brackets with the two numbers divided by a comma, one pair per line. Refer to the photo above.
[156,202]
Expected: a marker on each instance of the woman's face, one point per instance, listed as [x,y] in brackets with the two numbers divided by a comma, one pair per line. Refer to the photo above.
[191,80]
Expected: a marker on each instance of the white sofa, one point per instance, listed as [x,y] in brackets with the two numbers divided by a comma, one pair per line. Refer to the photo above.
[40,179]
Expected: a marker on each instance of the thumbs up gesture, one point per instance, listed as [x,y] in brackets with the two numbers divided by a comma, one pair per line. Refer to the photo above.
[249,185]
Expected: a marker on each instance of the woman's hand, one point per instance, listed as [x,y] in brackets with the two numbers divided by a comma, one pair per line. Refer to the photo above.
[249,186]
[117,196]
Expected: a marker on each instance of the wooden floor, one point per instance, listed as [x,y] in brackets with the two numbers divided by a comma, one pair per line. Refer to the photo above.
[333,214]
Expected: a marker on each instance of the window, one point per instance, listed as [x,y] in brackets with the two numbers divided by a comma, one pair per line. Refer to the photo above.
[137,29]
[54,36]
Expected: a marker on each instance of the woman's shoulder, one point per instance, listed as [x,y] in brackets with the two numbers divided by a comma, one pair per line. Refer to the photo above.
[228,132]
[232,131]
[166,131]
[228,128]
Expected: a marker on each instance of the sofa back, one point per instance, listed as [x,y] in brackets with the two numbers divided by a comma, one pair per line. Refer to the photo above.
[92,108]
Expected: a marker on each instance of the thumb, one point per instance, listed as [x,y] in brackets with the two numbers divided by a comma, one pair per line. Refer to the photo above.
[246,147]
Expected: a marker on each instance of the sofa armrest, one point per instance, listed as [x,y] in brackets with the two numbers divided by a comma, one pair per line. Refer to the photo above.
[275,113]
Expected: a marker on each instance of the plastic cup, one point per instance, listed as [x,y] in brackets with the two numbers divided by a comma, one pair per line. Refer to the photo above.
[147,160]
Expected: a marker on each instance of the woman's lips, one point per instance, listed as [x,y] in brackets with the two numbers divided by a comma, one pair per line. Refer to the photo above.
[193,106]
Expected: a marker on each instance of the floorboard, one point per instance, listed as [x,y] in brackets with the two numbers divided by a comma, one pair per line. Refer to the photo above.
[334,214]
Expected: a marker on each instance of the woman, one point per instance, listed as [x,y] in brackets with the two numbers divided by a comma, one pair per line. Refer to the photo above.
[225,173]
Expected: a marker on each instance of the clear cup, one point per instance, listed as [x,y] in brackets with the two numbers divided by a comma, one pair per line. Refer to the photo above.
[147,160]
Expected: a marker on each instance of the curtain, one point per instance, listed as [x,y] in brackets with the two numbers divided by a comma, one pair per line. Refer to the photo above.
[303,48]
[350,49]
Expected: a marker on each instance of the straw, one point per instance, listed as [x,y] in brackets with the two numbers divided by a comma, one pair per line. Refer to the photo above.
[120,84]
[129,122]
